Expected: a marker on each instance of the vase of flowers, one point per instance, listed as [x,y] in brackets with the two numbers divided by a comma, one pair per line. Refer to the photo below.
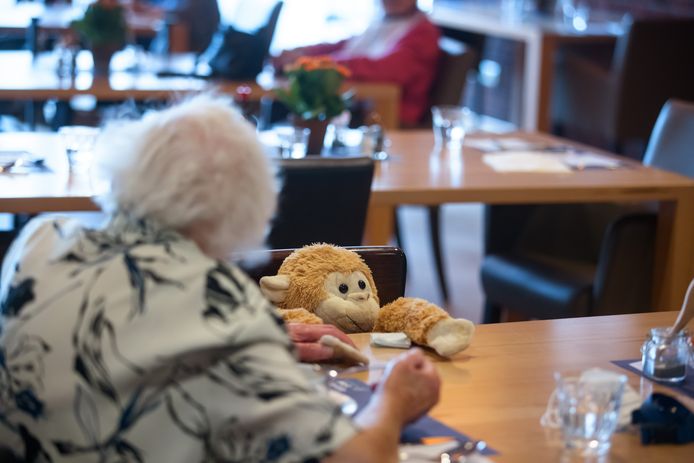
[313,95]
[103,29]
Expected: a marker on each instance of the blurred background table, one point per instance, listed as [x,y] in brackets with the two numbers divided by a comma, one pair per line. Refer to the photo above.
[139,76]
[16,18]
[417,173]
[542,38]
[498,388]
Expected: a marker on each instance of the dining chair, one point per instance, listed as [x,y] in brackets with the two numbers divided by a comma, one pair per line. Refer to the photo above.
[323,199]
[448,88]
[617,107]
[388,266]
[557,261]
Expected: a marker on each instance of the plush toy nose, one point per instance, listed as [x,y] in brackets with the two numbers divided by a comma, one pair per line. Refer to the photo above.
[360,297]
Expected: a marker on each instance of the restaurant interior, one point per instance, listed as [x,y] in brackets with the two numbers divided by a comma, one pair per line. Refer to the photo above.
[545,192]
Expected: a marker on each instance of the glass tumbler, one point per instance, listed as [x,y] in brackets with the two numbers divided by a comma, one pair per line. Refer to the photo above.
[450,124]
[665,357]
[589,410]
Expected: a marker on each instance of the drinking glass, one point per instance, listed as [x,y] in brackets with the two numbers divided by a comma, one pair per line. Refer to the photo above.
[78,142]
[293,141]
[588,406]
[450,124]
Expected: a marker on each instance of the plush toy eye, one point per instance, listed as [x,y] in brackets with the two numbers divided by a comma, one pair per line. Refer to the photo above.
[343,288]
[362,284]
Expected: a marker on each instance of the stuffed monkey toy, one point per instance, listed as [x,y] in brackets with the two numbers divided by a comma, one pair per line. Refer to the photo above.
[322,283]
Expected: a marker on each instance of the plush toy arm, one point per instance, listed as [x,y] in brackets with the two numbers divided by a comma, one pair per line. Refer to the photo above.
[300,316]
[275,288]
[425,324]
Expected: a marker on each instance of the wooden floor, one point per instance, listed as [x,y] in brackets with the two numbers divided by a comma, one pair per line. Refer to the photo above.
[462,248]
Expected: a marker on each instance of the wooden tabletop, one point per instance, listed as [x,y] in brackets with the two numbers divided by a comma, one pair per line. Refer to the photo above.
[16,18]
[137,75]
[498,388]
[418,173]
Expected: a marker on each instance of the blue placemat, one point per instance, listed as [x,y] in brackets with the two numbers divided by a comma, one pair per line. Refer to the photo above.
[414,432]
[685,387]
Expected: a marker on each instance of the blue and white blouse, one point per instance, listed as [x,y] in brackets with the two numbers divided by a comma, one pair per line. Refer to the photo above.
[128,344]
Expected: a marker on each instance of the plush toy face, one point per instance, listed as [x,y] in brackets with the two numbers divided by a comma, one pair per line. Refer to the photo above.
[333,283]
[349,302]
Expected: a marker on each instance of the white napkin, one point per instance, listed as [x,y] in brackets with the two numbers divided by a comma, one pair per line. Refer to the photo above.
[526,161]
[397,340]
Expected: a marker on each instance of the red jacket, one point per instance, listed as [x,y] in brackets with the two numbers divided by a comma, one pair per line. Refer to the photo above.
[412,64]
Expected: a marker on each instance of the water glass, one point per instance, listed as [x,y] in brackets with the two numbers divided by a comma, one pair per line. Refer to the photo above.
[78,142]
[293,141]
[450,124]
[588,408]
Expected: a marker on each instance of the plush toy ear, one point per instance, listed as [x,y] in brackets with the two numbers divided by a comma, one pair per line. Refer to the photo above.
[275,287]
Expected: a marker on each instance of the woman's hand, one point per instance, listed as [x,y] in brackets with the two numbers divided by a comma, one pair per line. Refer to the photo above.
[305,338]
[410,387]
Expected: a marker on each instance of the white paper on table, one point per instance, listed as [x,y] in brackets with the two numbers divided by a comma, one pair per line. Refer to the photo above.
[482,144]
[500,144]
[590,160]
[526,161]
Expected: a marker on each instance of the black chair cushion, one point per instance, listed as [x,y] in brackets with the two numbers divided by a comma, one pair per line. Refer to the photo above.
[546,288]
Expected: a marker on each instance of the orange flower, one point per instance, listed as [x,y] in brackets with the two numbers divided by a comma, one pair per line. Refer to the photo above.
[346,73]
[313,89]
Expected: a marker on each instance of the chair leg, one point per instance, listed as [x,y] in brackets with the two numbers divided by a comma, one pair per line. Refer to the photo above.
[492,313]
[435,234]
[397,229]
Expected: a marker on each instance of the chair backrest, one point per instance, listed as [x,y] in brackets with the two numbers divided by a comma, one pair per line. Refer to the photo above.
[449,84]
[323,199]
[671,146]
[267,32]
[653,63]
[388,266]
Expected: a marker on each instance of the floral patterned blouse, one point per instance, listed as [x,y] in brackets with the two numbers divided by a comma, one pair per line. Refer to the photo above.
[128,344]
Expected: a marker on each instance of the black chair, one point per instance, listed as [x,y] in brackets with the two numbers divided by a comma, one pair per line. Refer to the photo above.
[323,199]
[556,261]
[672,145]
[388,266]
[448,88]
[617,107]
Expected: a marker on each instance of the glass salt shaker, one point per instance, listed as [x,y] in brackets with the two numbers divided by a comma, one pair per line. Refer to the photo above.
[665,358]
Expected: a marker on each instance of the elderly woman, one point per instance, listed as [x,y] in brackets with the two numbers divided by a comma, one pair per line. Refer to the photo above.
[399,47]
[139,342]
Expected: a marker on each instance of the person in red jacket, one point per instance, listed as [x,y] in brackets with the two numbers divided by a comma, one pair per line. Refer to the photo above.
[400,47]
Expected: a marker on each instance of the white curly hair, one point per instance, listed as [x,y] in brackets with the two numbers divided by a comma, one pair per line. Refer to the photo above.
[196,167]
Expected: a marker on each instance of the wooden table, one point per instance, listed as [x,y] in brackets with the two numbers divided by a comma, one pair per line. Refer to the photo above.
[416,173]
[419,173]
[37,79]
[57,17]
[498,388]
[541,38]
